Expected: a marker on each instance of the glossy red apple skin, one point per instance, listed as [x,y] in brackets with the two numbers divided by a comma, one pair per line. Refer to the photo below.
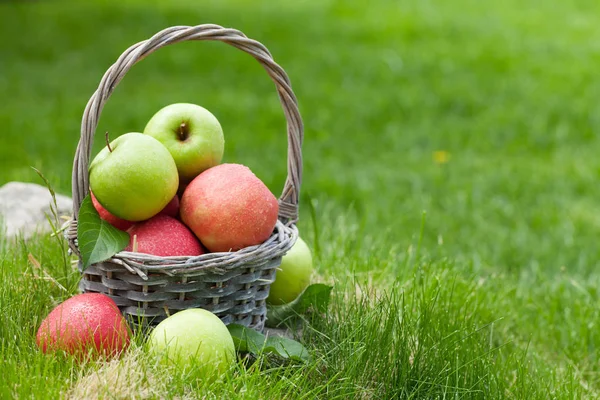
[108,217]
[229,208]
[88,323]
[163,236]
[171,209]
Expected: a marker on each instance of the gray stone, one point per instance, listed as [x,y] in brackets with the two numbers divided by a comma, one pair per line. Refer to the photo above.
[24,206]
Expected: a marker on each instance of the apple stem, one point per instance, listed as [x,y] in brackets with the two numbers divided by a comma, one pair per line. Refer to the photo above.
[107,141]
[182,131]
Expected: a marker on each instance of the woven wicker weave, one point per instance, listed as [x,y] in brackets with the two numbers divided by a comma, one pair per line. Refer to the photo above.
[232,285]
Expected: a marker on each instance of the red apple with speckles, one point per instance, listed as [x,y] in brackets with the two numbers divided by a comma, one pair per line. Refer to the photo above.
[88,323]
[229,208]
[163,236]
[108,217]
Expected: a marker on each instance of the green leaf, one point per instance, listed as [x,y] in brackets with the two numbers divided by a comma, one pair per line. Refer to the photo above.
[315,298]
[287,348]
[97,239]
[248,340]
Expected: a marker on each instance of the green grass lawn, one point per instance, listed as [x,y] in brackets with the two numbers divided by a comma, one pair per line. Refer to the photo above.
[450,156]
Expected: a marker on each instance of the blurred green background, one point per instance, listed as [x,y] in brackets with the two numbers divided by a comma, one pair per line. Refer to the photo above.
[485,115]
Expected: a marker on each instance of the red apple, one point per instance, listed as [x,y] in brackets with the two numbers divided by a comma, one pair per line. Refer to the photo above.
[108,217]
[229,208]
[85,322]
[171,209]
[163,236]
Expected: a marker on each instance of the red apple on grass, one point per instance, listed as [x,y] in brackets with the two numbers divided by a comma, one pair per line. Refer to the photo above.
[163,236]
[192,135]
[88,323]
[229,208]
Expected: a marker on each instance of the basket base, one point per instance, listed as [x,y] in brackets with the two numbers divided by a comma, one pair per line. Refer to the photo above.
[235,298]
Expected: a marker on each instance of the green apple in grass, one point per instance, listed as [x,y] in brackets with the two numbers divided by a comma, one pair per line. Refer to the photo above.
[193,136]
[293,276]
[194,338]
[134,177]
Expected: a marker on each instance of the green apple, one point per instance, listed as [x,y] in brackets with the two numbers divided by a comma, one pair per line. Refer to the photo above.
[193,136]
[134,177]
[293,276]
[193,338]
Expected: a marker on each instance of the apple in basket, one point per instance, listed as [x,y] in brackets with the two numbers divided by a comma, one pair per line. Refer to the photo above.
[163,236]
[134,177]
[171,209]
[229,208]
[108,217]
[192,135]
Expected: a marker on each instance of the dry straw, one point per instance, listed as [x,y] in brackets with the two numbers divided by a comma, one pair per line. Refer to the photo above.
[233,285]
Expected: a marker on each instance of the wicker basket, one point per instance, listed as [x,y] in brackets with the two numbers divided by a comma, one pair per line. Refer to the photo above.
[233,285]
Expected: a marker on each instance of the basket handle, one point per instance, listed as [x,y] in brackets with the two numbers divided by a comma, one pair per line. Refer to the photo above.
[288,201]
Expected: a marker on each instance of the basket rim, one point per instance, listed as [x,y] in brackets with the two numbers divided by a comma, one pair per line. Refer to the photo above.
[280,242]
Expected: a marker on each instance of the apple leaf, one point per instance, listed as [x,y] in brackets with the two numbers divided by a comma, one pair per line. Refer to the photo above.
[97,239]
[248,340]
[314,298]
